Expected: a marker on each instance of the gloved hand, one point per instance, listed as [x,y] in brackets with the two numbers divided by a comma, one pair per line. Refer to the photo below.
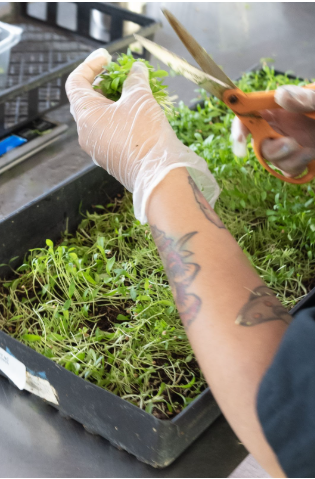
[285,153]
[131,138]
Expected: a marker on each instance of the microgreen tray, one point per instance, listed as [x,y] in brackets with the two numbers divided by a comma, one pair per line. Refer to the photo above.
[152,440]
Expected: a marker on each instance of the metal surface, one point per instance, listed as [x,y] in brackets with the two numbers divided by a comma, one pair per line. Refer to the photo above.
[16,156]
[36,441]
[45,170]
[181,67]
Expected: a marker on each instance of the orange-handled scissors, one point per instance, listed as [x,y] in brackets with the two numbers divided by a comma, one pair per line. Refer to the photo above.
[245,105]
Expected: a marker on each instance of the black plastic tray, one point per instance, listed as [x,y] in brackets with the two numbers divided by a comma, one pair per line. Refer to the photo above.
[41,62]
[153,441]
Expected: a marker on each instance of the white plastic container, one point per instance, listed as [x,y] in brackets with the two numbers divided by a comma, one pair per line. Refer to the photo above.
[10,35]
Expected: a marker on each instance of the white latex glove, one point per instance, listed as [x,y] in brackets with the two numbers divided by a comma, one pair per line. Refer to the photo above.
[131,138]
[285,153]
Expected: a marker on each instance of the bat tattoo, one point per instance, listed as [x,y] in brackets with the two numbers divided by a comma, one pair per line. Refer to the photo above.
[204,205]
[180,272]
[262,306]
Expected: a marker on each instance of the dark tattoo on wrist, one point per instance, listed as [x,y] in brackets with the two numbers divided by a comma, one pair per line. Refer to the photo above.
[262,306]
[180,272]
[204,205]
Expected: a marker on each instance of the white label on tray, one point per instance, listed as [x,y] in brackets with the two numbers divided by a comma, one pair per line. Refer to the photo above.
[41,387]
[13,368]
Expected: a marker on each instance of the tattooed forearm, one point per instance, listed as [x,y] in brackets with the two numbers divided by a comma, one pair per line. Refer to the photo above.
[262,306]
[180,272]
[204,205]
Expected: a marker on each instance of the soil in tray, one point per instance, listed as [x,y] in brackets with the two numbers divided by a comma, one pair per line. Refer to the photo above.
[99,302]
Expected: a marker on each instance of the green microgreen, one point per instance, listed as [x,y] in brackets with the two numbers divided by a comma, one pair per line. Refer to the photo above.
[116,73]
[273,221]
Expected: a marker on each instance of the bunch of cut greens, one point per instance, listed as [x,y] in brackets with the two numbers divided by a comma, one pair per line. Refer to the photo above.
[99,303]
[113,78]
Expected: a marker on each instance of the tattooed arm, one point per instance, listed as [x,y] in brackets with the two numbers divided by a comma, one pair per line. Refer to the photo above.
[233,321]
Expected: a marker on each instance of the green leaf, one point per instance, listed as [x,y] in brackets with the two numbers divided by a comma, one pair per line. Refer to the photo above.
[80,356]
[144,297]
[13,259]
[105,278]
[189,385]
[110,263]
[55,337]
[14,318]
[31,338]
[133,293]
[159,74]
[49,243]
[164,302]
[67,304]
[15,284]
[101,241]
[71,289]
[115,84]
[101,249]
[209,139]
[121,317]
[162,388]
[88,277]
[198,137]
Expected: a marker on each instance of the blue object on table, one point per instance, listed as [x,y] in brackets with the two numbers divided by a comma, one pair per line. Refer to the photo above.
[10,143]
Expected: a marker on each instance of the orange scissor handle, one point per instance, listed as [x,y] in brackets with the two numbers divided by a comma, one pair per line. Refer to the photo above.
[247,106]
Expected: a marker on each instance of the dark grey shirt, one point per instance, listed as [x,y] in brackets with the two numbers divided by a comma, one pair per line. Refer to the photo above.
[286,398]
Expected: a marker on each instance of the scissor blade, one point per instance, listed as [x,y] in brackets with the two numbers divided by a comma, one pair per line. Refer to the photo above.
[200,55]
[180,66]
